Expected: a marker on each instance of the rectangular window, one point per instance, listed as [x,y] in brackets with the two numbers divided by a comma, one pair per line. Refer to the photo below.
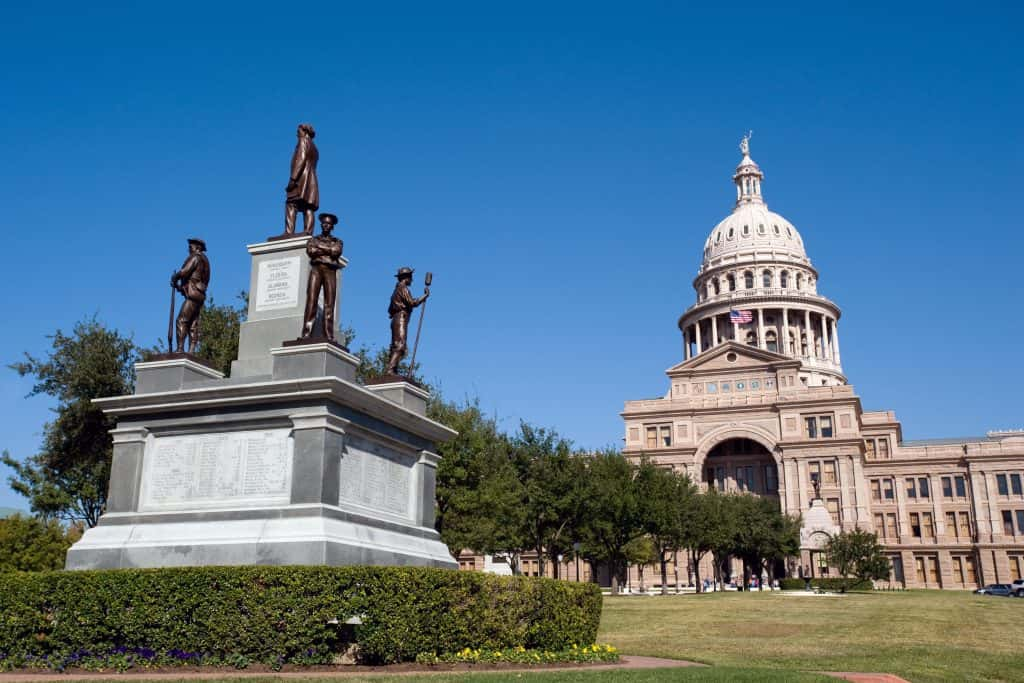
[830,473]
[826,426]
[1007,523]
[811,424]
[951,525]
[771,478]
[880,524]
[922,487]
[958,569]
[965,525]
[1016,567]
[1001,485]
[961,486]
[915,525]
[947,487]
[666,435]
[911,488]
[928,527]
[1020,522]
[1015,485]
[712,387]
[814,472]
[869,449]
[711,477]
[883,448]
[888,489]
[933,572]
[833,509]
[720,477]
[919,562]
[652,437]
[891,530]
[972,577]
[876,490]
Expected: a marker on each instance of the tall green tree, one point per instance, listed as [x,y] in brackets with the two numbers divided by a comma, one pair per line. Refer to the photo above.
[857,556]
[613,513]
[763,534]
[710,528]
[219,327]
[34,544]
[479,495]
[665,498]
[68,477]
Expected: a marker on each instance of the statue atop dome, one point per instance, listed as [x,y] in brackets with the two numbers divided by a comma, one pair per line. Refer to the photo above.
[745,143]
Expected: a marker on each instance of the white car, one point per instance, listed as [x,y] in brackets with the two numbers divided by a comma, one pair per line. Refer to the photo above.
[1017,588]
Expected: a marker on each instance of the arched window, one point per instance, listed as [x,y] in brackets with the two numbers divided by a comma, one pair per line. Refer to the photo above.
[715,285]
[799,281]
[748,280]
[784,279]
[731,279]
[760,228]
[751,338]
[718,237]
[803,344]
[731,233]
[746,230]
[776,229]
[792,343]
[771,340]
[766,279]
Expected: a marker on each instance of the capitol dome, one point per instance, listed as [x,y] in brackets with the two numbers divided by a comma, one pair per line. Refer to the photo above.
[756,286]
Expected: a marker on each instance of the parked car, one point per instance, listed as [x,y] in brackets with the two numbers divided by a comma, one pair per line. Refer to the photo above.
[1017,588]
[996,589]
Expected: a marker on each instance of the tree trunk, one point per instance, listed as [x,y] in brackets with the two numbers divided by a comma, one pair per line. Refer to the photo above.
[675,567]
[664,574]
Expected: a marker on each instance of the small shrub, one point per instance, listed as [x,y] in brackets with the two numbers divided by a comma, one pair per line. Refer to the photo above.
[231,616]
[520,655]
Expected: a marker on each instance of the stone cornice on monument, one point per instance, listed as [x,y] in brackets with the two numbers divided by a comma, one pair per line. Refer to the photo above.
[344,393]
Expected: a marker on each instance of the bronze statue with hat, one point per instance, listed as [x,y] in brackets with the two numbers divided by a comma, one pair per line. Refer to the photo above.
[324,253]
[400,308]
[191,280]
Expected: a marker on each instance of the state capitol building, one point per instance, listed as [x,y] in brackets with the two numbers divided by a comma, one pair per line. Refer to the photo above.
[760,403]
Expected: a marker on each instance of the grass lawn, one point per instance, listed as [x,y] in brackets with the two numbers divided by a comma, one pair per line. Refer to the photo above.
[920,635]
[687,675]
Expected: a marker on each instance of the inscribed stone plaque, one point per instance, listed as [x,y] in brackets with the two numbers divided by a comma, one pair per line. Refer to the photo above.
[374,476]
[232,469]
[277,284]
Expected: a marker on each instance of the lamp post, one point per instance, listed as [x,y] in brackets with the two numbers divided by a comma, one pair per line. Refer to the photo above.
[576,553]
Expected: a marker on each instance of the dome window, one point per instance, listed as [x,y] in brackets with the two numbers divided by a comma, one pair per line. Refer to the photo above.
[799,281]
[751,338]
[718,237]
[766,279]
[731,233]
[789,231]
[784,279]
[715,285]
[771,341]
[748,280]
[776,230]
[731,279]
[746,230]
[760,229]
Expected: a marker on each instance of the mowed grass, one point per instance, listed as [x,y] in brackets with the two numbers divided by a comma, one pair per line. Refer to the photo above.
[919,635]
[686,675]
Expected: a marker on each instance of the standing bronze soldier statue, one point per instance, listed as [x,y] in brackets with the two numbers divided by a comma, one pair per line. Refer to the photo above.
[303,191]
[324,253]
[192,281]
[400,308]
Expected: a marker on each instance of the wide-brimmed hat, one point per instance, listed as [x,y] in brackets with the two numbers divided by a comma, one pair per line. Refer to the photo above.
[403,271]
[196,240]
[329,218]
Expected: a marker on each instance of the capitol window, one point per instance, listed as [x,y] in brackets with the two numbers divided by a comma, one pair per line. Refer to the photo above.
[755,384]
[712,387]
[746,230]
[731,233]
[748,280]
[771,340]
[784,279]
[776,229]
[818,426]
[715,285]
[751,338]
[766,279]
[760,228]
[731,279]
[799,281]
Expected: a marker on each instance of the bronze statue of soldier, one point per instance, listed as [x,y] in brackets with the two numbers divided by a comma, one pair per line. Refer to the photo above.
[191,280]
[400,308]
[324,253]
[303,190]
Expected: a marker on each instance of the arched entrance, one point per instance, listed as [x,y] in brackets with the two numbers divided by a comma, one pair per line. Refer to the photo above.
[741,464]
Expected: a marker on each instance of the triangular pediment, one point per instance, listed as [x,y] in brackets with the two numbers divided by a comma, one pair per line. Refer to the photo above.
[731,356]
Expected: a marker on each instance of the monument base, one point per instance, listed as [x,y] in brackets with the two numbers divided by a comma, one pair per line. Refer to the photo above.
[299,535]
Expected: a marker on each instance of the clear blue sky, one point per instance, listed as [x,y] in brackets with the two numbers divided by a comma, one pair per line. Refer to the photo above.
[557,166]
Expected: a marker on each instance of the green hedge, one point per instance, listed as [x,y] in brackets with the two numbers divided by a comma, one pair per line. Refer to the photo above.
[281,615]
[827,584]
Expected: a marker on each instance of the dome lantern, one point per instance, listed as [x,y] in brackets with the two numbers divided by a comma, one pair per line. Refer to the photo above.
[748,176]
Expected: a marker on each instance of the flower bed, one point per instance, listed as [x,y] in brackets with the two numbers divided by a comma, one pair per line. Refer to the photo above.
[588,654]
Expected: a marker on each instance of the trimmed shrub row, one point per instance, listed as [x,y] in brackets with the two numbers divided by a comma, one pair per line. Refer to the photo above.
[827,584]
[282,615]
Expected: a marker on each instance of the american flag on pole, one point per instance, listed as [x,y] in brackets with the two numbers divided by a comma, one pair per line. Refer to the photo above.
[741,317]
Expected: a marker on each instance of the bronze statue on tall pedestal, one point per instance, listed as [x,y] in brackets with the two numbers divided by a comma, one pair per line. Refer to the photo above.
[324,253]
[191,280]
[303,190]
[400,308]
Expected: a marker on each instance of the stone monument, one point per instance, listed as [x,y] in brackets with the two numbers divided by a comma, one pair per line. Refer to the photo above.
[288,461]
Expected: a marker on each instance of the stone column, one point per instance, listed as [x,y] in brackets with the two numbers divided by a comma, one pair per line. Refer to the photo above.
[126,469]
[824,339]
[714,330]
[809,334]
[835,340]
[318,443]
[736,333]
[785,331]
[696,326]
[686,344]
[760,329]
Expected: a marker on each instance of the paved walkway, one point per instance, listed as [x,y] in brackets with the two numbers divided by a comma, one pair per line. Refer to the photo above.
[627,662]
